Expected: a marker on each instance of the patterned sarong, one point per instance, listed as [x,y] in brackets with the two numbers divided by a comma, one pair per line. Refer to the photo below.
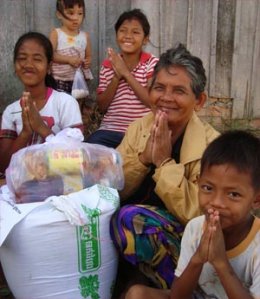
[65,86]
[148,237]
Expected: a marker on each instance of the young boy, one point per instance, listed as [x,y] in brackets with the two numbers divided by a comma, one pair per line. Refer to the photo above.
[220,251]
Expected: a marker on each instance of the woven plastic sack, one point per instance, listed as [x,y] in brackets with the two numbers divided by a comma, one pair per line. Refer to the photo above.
[60,248]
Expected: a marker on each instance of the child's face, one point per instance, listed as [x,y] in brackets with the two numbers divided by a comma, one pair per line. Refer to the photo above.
[229,191]
[41,171]
[130,37]
[31,64]
[74,18]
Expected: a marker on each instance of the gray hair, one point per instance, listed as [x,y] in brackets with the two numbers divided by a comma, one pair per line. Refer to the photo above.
[181,57]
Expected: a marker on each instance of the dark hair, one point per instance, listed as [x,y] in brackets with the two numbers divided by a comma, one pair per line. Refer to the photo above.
[237,148]
[64,4]
[134,14]
[181,57]
[43,41]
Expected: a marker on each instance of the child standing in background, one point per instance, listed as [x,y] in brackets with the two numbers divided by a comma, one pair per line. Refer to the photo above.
[41,110]
[219,256]
[72,48]
[122,94]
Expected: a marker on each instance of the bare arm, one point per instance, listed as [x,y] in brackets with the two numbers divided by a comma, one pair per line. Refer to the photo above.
[88,55]
[32,122]
[211,249]
[231,283]
[218,258]
[74,61]
[104,99]
[186,284]
[141,292]
[9,146]
[159,145]
[140,91]
[123,71]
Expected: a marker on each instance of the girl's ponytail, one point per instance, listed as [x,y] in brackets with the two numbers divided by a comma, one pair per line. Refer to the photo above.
[50,81]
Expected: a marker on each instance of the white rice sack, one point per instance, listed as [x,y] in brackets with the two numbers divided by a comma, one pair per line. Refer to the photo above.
[44,255]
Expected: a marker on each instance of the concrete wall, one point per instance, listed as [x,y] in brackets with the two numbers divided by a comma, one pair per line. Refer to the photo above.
[224,33]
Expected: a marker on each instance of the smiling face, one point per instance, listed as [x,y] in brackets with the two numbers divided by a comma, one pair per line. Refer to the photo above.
[31,65]
[226,189]
[171,92]
[130,37]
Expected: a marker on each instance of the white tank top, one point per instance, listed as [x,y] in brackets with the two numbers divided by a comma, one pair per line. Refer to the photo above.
[70,46]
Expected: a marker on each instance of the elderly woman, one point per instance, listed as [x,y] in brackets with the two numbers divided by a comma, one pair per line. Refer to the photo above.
[161,159]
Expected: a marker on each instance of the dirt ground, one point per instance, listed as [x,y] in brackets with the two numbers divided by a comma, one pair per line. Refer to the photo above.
[4,291]
[91,119]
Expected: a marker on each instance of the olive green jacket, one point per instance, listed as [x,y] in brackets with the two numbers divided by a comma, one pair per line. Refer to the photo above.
[176,183]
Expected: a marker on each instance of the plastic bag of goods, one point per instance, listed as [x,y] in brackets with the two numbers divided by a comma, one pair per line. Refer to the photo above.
[79,86]
[61,165]
[59,248]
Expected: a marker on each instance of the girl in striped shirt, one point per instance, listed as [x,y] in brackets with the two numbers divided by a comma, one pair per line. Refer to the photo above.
[122,94]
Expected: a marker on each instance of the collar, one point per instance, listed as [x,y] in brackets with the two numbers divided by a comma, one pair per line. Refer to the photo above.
[194,140]
[241,247]
[144,58]
[49,92]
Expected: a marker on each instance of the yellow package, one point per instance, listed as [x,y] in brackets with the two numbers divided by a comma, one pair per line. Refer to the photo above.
[69,164]
[65,161]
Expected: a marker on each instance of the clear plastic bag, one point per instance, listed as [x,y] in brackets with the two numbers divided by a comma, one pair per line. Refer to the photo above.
[79,86]
[62,165]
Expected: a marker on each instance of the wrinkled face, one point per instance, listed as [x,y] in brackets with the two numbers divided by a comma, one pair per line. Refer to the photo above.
[172,93]
[228,190]
[31,65]
[74,18]
[41,171]
[130,36]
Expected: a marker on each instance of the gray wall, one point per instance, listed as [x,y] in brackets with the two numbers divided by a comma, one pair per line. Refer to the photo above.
[224,33]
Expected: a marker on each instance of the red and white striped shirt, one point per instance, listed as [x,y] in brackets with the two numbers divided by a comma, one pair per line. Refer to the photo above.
[125,106]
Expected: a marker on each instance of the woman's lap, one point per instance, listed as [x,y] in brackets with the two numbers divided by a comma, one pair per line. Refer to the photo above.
[149,238]
[105,137]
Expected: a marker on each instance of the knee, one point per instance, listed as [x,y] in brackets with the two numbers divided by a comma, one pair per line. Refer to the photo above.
[136,291]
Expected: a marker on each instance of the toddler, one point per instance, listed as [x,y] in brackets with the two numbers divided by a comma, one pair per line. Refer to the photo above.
[72,48]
